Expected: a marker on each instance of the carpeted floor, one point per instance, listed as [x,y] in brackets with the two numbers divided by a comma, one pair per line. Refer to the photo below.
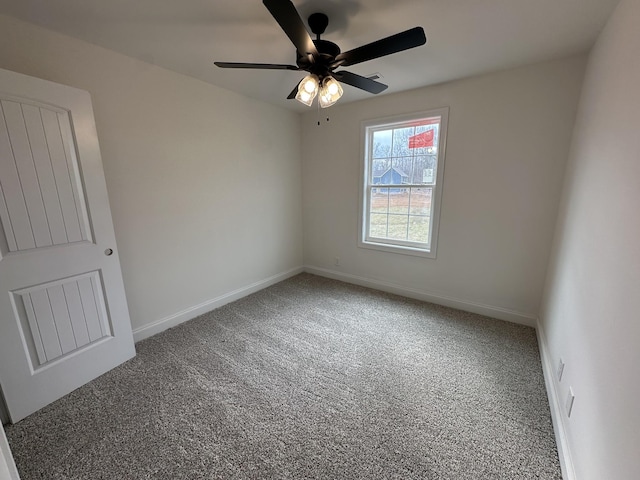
[310,378]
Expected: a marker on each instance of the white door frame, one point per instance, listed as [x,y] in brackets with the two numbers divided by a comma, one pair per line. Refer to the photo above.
[4,414]
[8,470]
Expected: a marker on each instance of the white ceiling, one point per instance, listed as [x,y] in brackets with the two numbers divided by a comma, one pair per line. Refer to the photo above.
[465,37]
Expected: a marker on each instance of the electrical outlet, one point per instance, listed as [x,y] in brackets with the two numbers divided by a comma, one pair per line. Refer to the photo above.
[569,404]
[336,261]
[560,370]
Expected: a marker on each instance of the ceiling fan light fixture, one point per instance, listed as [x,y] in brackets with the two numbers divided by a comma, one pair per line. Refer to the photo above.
[308,89]
[321,57]
[330,92]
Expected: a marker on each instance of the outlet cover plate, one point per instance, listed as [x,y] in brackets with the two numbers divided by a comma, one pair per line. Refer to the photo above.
[569,404]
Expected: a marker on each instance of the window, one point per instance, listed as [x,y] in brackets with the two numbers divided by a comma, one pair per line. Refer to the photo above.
[402,182]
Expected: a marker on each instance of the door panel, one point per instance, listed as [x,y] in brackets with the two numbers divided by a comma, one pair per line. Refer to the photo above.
[63,312]
[61,317]
[43,197]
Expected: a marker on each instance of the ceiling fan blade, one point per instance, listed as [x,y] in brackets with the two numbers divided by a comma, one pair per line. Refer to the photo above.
[289,20]
[262,66]
[411,38]
[294,92]
[360,82]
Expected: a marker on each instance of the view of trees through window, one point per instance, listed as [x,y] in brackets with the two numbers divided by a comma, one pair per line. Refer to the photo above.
[402,166]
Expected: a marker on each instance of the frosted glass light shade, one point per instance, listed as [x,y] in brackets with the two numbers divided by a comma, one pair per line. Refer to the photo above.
[330,92]
[308,89]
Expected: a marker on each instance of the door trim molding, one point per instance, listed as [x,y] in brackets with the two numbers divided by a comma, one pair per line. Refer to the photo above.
[7,465]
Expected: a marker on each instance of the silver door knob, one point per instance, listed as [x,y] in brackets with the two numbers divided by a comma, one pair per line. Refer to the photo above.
[108,251]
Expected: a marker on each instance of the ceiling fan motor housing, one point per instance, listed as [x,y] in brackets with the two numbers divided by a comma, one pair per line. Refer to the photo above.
[321,65]
[318,23]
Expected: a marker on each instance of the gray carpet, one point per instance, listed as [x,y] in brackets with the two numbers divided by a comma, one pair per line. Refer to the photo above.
[310,378]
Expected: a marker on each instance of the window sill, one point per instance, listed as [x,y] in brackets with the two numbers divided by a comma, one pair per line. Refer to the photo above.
[401,249]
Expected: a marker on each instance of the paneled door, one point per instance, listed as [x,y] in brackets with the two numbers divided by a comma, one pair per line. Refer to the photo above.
[63,312]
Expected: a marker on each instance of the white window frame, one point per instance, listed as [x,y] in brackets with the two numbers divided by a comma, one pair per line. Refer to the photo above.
[399,246]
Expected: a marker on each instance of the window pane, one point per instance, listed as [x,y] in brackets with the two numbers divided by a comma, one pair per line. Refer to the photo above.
[398,227]
[401,141]
[390,176]
[378,225]
[420,162]
[421,201]
[418,229]
[399,200]
[381,144]
[402,167]
[426,139]
[424,169]
[379,200]
[379,167]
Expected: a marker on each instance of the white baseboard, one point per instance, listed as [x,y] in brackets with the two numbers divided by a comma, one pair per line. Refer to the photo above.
[473,307]
[555,403]
[192,312]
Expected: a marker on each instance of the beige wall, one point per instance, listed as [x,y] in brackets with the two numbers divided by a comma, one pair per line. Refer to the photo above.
[508,140]
[204,184]
[590,313]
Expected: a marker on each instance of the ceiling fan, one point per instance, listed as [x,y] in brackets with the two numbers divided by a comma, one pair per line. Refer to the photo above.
[320,58]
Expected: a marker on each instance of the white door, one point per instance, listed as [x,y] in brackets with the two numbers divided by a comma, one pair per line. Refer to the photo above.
[63,313]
